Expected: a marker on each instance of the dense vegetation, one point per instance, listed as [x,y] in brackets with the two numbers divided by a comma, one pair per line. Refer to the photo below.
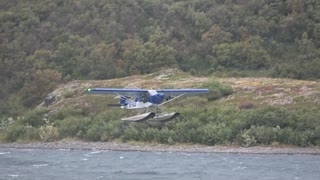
[210,125]
[46,42]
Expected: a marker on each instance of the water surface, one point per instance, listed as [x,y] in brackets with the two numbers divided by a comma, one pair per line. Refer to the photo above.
[79,164]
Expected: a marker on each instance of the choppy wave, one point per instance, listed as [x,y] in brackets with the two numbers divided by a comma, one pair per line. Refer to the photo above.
[13,175]
[3,153]
[137,172]
[40,165]
[93,152]
[65,149]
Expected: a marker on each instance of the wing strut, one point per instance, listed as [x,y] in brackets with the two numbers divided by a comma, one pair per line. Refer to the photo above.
[172,99]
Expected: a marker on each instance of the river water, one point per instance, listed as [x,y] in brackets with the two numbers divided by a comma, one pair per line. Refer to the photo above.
[39,164]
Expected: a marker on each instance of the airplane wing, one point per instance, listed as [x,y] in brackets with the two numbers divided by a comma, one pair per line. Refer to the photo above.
[173,94]
[170,94]
[117,91]
[137,92]
[178,92]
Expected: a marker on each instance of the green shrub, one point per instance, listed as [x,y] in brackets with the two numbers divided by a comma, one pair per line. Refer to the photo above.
[49,133]
[31,134]
[165,135]
[110,115]
[14,132]
[171,141]
[213,134]
[114,129]
[305,69]
[187,131]
[35,118]
[246,139]
[316,139]
[104,131]
[263,134]
[131,133]
[18,132]
[66,112]
[150,135]
[217,90]
[271,116]
[296,137]
[95,132]
[73,127]
[307,119]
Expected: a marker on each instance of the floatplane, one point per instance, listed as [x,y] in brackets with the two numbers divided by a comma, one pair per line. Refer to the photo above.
[144,99]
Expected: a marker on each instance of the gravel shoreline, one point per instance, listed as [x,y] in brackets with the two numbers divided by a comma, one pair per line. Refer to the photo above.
[114,146]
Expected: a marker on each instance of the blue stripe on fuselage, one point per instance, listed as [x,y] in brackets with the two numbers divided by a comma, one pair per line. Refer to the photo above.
[157,98]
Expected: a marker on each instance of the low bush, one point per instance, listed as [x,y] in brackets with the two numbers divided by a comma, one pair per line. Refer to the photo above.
[66,112]
[95,132]
[217,90]
[35,118]
[49,133]
[114,129]
[271,116]
[14,132]
[295,137]
[213,134]
[246,139]
[73,127]
[104,131]
[131,133]
[263,134]
[187,131]
[31,134]
[18,132]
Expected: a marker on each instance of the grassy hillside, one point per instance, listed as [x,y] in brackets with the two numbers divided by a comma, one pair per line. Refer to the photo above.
[258,92]
[240,111]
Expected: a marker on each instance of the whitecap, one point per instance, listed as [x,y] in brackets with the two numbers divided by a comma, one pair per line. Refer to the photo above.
[64,149]
[185,154]
[2,153]
[84,159]
[92,153]
[13,175]
[95,152]
[121,157]
[239,168]
[40,165]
